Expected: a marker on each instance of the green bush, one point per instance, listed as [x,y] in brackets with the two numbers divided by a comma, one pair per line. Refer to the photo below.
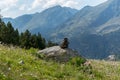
[41,56]
[77,61]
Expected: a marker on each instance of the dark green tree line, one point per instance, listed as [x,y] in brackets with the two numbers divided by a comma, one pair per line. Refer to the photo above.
[28,40]
[9,35]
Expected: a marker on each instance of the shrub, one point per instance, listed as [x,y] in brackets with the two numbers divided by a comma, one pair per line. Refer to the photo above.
[77,61]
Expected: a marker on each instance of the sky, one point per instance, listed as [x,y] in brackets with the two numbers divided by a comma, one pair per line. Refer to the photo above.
[14,8]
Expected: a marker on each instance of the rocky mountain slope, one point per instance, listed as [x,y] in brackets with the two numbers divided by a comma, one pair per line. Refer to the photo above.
[102,19]
[48,20]
[94,31]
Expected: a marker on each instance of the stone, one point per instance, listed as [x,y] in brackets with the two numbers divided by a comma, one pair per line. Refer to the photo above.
[58,54]
[21,62]
[111,58]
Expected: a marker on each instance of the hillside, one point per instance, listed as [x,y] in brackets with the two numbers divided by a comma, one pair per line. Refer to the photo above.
[47,21]
[21,21]
[21,64]
[93,31]
[100,19]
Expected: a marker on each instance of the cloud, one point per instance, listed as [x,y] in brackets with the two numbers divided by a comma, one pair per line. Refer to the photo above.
[73,4]
[5,4]
[15,8]
[22,7]
[49,3]
[38,3]
[78,4]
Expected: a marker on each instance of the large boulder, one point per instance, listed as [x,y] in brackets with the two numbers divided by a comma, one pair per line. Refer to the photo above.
[59,54]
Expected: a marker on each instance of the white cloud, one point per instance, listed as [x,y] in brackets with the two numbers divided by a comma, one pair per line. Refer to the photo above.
[51,3]
[73,4]
[15,8]
[43,4]
[23,7]
[5,4]
[38,3]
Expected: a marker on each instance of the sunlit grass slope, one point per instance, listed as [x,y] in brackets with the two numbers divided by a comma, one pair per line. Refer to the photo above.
[21,64]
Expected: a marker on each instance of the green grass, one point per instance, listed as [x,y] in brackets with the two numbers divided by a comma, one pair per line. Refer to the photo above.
[33,68]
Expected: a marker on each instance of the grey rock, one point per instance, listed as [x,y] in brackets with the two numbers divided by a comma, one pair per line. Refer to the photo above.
[59,54]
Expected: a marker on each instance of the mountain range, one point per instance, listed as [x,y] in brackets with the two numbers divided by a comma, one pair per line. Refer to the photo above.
[94,31]
[42,22]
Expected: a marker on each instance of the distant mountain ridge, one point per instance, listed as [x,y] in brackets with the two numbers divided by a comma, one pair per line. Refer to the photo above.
[44,21]
[20,21]
[49,19]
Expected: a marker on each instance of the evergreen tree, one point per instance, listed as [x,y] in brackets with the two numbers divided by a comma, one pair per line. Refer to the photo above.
[16,37]
[4,33]
[41,41]
[0,22]
[10,33]
[33,41]
[2,28]
[25,39]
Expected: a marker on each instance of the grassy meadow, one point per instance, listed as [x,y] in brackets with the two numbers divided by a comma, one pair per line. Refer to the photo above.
[21,64]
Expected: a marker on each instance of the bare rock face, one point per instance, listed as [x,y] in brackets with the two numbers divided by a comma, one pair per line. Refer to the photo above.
[59,54]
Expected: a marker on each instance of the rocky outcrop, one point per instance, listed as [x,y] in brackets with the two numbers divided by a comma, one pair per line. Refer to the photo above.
[59,54]
[111,58]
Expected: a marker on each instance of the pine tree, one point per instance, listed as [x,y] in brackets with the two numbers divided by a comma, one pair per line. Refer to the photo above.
[25,39]
[4,33]
[0,29]
[33,41]
[16,37]
[10,33]
[0,22]
[41,41]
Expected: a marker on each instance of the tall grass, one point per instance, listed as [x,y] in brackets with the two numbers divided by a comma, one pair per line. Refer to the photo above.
[21,64]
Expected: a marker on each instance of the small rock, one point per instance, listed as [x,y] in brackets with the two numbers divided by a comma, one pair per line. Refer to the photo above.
[111,58]
[21,62]
[9,68]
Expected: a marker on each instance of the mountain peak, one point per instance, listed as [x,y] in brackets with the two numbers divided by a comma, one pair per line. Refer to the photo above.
[55,7]
[60,7]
